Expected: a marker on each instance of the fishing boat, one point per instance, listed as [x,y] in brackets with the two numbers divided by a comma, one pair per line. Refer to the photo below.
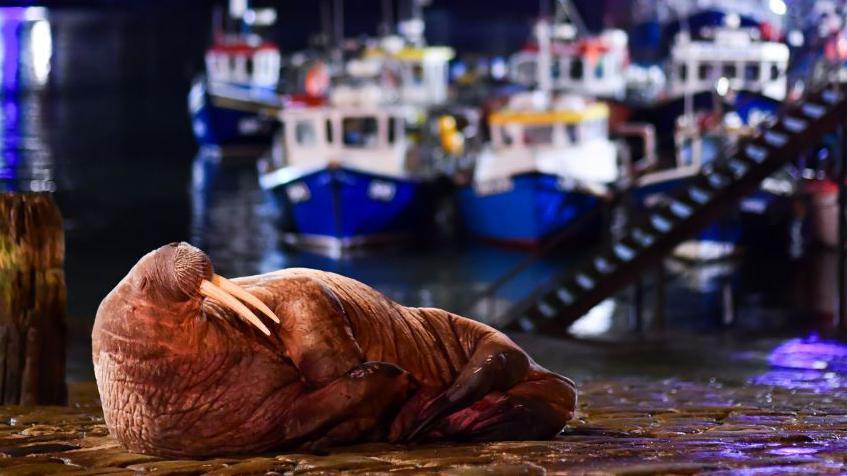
[564,57]
[547,164]
[729,54]
[730,57]
[346,174]
[233,104]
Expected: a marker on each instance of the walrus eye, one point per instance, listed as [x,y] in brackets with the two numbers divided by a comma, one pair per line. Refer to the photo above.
[225,291]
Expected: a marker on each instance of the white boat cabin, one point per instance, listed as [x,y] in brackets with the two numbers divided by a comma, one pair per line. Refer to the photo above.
[595,66]
[244,62]
[569,140]
[366,139]
[418,76]
[733,58]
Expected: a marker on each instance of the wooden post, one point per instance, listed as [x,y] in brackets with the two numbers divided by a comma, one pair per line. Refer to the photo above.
[32,300]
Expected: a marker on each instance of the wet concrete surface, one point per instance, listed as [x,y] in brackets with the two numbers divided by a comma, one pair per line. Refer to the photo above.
[776,408]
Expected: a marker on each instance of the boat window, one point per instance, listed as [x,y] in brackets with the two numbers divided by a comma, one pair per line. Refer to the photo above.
[774,72]
[248,66]
[705,71]
[538,135]
[556,70]
[751,72]
[393,124]
[418,73]
[329,135]
[279,152]
[526,71]
[683,72]
[576,68]
[593,129]
[304,132]
[360,131]
[573,135]
[508,135]
[729,70]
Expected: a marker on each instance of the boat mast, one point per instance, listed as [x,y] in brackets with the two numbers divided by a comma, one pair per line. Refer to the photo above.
[544,63]
[566,12]
[332,24]
[218,25]
[410,21]
[237,9]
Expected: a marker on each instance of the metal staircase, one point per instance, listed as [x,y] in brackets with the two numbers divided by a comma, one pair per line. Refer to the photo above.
[655,234]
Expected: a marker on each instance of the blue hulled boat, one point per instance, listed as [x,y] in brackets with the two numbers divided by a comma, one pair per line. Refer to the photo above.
[542,172]
[346,175]
[231,116]
[340,208]
[527,209]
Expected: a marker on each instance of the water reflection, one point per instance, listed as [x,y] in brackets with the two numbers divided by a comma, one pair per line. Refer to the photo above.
[26,162]
[809,363]
[233,219]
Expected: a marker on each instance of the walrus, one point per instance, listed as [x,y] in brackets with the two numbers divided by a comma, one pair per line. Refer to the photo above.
[185,366]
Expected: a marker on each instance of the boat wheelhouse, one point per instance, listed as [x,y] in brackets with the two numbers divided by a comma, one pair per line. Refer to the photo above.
[347,175]
[592,66]
[417,75]
[246,62]
[730,58]
[543,170]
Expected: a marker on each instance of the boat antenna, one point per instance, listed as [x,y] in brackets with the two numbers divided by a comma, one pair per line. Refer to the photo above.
[337,32]
[237,9]
[566,12]
[411,21]
[218,24]
[387,17]
[544,64]
[688,98]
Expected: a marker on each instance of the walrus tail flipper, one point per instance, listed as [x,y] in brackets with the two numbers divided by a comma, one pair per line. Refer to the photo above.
[496,364]
[537,408]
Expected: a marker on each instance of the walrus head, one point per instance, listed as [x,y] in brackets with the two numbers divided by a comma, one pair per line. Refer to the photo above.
[179,275]
[167,350]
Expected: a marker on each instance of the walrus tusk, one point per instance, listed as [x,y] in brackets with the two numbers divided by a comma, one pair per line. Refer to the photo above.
[210,290]
[242,294]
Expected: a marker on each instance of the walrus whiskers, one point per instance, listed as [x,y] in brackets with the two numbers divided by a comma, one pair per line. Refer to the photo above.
[242,294]
[208,289]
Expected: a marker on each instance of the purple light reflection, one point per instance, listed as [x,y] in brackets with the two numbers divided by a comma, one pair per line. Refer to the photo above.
[794,451]
[811,353]
[10,21]
[809,363]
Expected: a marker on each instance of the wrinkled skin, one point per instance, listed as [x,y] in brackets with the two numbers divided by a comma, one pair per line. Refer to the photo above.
[181,375]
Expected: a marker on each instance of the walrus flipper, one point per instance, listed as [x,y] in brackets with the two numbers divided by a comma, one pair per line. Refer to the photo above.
[536,408]
[353,408]
[496,364]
